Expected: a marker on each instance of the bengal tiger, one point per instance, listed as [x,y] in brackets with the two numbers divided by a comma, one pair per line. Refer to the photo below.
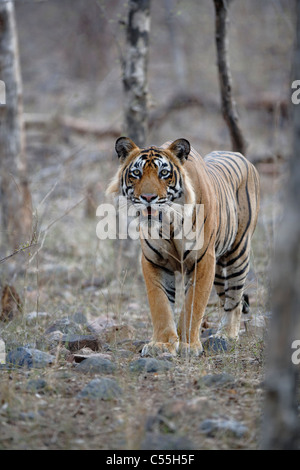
[226,185]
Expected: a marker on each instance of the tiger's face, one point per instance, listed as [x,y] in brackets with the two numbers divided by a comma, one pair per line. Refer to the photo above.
[153,179]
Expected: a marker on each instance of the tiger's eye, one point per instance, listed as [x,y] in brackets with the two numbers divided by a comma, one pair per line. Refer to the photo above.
[164,172]
[136,172]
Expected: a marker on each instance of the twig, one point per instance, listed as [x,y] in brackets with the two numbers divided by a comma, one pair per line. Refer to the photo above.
[17,251]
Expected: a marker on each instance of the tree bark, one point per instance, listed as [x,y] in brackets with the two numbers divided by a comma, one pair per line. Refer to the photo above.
[281,428]
[135,71]
[228,104]
[15,200]
[179,62]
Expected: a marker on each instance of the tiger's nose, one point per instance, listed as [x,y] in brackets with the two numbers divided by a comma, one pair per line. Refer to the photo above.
[148,197]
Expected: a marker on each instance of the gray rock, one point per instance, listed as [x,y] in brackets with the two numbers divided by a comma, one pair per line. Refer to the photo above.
[149,365]
[66,326]
[215,344]
[154,441]
[79,317]
[29,415]
[217,380]
[96,365]
[101,389]
[36,385]
[211,427]
[34,317]
[77,342]
[29,357]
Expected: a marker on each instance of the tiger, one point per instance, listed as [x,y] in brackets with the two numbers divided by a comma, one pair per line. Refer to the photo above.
[226,185]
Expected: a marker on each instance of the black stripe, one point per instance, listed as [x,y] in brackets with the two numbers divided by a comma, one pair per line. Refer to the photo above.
[230,309]
[153,249]
[234,288]
[157,265]
[199,259]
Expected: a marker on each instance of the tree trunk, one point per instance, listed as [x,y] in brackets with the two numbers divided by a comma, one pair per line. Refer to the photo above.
[15,200]
[281,428]
[228,104]
[135,71]
[179,57]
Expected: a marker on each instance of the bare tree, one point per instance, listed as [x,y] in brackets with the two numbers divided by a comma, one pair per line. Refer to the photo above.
[228,104]
[135,71]
[281,428]
[15,201]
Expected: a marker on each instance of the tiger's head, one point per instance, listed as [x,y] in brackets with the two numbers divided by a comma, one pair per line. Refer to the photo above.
[153,179]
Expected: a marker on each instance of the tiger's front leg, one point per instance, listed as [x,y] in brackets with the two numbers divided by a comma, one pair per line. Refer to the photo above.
[160,285]
[197,294]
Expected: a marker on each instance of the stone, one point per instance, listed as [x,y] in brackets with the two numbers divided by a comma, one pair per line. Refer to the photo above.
[149,365]
[76,342]
[53,339]
[96,365]
[211,427]
[101,389]
[116,334]
[85,353]
[29,357]
[66,326]
[217,380]
[100,324]
[79,317]
[36,385]
[215,344]
[34,317]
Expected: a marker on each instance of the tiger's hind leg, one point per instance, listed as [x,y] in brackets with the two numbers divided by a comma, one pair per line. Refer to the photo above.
[234,278]
[219,283]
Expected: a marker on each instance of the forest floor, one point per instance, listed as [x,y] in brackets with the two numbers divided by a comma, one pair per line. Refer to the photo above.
[72,284]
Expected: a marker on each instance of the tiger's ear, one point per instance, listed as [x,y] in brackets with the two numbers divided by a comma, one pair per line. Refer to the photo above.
[180,148]
[123,147]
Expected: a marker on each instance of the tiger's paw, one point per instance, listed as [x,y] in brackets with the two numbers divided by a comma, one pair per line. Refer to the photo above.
[157,348]
[190,349]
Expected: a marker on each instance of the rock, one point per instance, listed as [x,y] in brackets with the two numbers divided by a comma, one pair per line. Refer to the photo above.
[149,365]
[96,365]
[36,385]
[215,344]
[154,441]
[217,380]
[135,346]
[211,427]
[116,334]
[27,415]
[53,339]
[96,282]
[66,326]
[79,317]
[100,324]
[34,317]
[29,357]
[101,388]
[76,342]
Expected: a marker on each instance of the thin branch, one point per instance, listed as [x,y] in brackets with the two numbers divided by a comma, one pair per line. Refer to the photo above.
[17,251]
